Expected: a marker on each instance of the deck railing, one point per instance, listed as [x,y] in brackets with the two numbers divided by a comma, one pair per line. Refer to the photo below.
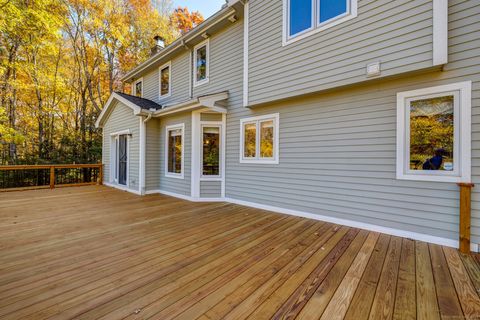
[23,177]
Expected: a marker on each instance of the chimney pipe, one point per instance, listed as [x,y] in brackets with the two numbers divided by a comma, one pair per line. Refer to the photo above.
[159,45]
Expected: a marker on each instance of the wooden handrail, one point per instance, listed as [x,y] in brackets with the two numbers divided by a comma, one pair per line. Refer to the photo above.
[52,169]
[465,215]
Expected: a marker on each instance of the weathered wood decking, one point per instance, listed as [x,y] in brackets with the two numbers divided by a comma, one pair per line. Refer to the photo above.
[95,252]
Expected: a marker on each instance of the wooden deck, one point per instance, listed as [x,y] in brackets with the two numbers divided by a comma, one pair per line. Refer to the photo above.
[98,253]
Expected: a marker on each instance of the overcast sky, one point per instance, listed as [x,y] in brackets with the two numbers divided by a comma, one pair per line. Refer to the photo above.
[206,7]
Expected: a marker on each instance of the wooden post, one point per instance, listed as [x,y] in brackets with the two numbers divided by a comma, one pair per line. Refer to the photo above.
[100,175]
[52,177]
[465,213]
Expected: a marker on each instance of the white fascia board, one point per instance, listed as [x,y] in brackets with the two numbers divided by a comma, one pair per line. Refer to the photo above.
[136,109]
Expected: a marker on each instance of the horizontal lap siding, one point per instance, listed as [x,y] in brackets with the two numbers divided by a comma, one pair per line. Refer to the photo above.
[179,186]
[210,189]
[122,118]
[153,156]
[397,33]
[338,149]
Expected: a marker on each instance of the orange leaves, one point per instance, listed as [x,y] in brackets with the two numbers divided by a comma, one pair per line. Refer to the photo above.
[185,20]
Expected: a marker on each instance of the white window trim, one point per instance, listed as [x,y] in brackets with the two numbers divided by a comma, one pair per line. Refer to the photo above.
[217,124]
[462,149]
[171,174]
[276,128]
[134,89]
[207,71]
[169,66]
[352,12]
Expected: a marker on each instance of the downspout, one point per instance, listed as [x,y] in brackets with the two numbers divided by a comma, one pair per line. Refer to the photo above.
[143,151]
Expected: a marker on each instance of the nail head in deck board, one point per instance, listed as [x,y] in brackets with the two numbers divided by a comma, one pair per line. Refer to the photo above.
[427,305]
[405,307]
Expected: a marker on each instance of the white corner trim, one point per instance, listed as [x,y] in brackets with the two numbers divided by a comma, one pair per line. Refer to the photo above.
[123,188]
[196,83]
[246,35]
[440,32]
[142,156]
[462,152]
[276,139]
[160,69]
[345,222]
[350,223]
[195,165]
[181,175]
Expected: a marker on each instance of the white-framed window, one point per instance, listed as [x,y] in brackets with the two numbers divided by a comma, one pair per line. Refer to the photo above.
[259,139]
[304,17]
[137,89]
[165,80]
[211,151]
[434,133]
[201,63]
[174,151]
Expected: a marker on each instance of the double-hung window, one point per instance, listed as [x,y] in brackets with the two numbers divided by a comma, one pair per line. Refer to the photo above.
[303,17]
[201,57]
[174,151]
[434,133]
[165,80]
[259,139]
[138,88]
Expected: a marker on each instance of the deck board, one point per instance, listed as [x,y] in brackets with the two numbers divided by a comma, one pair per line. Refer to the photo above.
[99,253]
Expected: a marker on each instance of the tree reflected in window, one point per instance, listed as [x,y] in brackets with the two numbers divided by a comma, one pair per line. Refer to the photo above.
[211,151]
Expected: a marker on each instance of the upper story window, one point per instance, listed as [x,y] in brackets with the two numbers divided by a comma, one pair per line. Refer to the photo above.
[434,133]
[165,80]
[201,63]
[259,139]
[138,88]
[304,17]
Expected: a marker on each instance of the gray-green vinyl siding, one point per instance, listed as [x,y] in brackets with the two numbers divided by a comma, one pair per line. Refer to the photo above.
[338,149]
[396,33]
[210,189]
[178,186]
[122,118]
[153,155]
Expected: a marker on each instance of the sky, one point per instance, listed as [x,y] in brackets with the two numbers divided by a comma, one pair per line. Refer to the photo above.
[206,7]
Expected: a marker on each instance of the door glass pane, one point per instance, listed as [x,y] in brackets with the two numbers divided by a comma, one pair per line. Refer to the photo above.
[330,9]
[300,16]
[175,151]
[201,63]
[211,151]
[165,81]
[122,159]
[250,137]
[432,133]
[138,89]
[266,139]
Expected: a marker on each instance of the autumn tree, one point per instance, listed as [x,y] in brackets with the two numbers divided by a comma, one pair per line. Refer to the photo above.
[185,20]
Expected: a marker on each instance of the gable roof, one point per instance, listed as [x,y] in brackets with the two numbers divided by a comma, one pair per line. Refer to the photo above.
[138,105]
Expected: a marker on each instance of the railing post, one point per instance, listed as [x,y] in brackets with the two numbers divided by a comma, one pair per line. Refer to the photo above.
[100,175]
[52,177]
[465,213]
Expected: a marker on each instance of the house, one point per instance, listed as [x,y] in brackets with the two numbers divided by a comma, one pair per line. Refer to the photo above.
[358,112]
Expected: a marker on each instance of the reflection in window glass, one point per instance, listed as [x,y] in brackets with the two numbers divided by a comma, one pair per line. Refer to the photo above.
[266,139]
[300,16]
[165,81]
[330,9]
[250,137]
[201,63]
[211,151]
[175,151]
[138,89]
[432,134]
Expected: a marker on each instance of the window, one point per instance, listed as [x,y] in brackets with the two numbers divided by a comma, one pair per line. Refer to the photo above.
[201,63]
[138,88]
[165,80]
[303,17]
[434,133]
[211,151]
[259,139]
[174,151]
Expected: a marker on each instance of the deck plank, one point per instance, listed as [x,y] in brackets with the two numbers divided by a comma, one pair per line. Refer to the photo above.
[99,253]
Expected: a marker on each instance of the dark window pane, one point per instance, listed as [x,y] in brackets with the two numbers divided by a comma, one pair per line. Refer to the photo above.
[122,159]
[432,134]
[201,63]
[332,8]
[250,135]
[300,16]
[165,81]
[138,89]
[266,139]
[175,151]
[211,151]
